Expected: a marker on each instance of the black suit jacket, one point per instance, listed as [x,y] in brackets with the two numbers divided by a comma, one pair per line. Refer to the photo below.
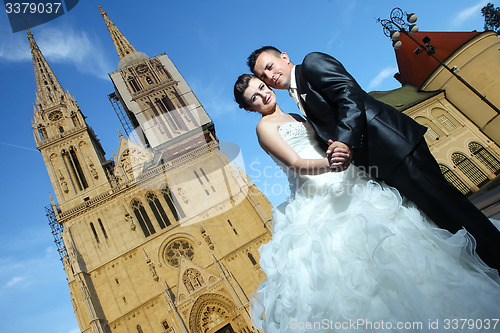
[337,107]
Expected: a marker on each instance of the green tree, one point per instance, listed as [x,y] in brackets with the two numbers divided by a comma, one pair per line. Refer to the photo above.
[491,17]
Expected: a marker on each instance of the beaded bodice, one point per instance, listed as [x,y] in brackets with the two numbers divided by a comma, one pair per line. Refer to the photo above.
[300,137]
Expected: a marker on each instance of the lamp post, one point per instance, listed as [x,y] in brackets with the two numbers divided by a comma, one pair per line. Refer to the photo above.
[401,22]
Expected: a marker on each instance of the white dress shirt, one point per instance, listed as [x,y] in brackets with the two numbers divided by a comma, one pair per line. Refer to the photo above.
[294,93]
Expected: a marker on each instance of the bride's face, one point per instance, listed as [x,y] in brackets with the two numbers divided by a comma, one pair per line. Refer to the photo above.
[259,96]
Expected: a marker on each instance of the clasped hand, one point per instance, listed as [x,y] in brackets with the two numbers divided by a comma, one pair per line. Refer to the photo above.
[339,156]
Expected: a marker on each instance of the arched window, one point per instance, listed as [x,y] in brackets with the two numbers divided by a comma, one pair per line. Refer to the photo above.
[74,168]
[485,157]
[142,217]
[94,232]
[160,105]
[139,329]
[454,180]
[445,119]
[133,84]
[192,279]
[431,133]
[61,129]
[148,80]
[75,120]
[173,204]
[158,210]
[469,169]
[102,228]
[42,132]
[175,116]
[446,122]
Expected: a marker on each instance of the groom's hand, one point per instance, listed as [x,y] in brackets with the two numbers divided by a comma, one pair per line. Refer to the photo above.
[339,156]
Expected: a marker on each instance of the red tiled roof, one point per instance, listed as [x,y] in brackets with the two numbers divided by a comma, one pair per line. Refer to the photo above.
[414,68]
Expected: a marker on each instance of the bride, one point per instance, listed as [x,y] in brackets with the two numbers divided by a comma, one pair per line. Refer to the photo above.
[349,253]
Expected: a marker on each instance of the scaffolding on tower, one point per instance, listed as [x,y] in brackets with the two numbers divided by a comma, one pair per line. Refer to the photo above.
[127,119]
[57,229]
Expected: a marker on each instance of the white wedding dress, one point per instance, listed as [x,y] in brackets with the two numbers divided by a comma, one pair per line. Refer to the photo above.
[349,254]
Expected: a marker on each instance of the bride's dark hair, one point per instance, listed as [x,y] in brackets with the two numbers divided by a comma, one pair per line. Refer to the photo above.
[240,86]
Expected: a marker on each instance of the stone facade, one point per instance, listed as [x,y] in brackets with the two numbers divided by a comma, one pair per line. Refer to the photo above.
[165,237]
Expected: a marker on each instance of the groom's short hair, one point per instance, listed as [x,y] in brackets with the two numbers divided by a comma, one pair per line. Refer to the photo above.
[252,58]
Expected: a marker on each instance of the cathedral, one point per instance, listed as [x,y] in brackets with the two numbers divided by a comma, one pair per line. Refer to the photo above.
[165,236]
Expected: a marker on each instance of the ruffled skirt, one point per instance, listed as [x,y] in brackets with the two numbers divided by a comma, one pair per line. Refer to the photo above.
[353,255]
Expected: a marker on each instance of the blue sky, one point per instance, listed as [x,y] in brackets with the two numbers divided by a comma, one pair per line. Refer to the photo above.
[208,41]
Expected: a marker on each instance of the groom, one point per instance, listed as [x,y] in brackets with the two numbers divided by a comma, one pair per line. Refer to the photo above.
[378,138]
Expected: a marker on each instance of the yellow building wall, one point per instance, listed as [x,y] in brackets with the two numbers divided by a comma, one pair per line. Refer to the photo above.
[478,63]
[451,132]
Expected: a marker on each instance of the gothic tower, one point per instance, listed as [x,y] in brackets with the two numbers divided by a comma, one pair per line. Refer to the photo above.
[70,149]
[164,237]
[156,98]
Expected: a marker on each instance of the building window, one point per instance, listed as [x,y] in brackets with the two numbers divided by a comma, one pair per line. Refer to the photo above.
[431,133]
[75,120]
[201,182]
[469,169]
[74,168]
[165,324]
[42,132]
[158,210]
[143,218]
[192,279]
[173,117]
[454,180]
[252,259]
[198,177]
[139,329]
[206,178]
[102,228]
[133,84]
[94,232]
[176,249]
[173,204]
[61,129]
[485,157]
[165,106]
[231,225]
[446,122]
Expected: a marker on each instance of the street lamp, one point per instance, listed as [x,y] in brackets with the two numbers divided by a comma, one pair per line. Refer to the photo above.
[401,22]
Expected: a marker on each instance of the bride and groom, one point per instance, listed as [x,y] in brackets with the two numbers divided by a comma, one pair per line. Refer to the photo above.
[391,241]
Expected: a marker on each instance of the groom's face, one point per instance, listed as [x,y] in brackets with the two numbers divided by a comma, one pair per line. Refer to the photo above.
[275,70]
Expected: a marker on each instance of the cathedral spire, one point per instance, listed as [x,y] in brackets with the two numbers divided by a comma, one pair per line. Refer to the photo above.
[49,90]
[122,45]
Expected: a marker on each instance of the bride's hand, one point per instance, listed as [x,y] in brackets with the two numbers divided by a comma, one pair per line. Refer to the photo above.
[339,156]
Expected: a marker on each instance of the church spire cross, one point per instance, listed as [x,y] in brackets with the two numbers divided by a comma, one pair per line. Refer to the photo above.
[122,45]
[49,90]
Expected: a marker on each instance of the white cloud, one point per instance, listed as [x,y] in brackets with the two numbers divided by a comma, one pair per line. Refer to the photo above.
[62,45]
[16,281]
[467,14]
[381,76]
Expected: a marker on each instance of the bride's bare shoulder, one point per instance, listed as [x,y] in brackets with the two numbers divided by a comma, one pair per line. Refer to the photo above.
[265,125]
